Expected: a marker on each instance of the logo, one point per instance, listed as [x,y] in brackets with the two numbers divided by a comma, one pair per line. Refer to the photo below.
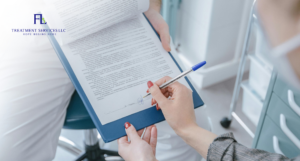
[38,31]
[39,17]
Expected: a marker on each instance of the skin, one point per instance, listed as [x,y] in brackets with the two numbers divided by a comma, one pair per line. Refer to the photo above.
[144,149]
[159,23]
[180,115]
[137,148]
[280,20]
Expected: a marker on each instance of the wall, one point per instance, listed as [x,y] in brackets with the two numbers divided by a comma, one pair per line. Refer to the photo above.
[212,30]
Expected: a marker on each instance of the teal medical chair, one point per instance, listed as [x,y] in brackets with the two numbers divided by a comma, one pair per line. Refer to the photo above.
[77,118]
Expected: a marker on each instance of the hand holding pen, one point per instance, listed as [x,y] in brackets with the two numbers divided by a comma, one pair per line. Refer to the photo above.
[176,103]
[167,85]
[171,81]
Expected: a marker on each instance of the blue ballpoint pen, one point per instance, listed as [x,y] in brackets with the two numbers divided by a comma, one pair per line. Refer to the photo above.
[194,68]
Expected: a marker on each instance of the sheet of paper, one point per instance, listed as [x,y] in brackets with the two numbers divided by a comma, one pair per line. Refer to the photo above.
[114,65]
[83,17]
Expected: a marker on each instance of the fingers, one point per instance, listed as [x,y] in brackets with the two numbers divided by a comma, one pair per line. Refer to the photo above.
[162,29]
[165,36]
[157,107]
[131,132]
[147,134]
[153,139]
[122,144]
[163,80]
[170,88]
[152,102]
[140,132]
[123,140]
[157,95]
[159,83]
[166,94]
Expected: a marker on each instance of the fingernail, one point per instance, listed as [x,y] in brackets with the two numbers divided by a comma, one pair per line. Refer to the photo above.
[127,125]
[147,91]
[150,84]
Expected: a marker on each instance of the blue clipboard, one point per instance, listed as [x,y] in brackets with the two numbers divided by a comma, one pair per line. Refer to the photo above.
[114,130]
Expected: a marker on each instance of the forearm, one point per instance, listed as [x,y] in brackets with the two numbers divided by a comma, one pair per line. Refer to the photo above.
[154,5]
[198,138]
[225,147]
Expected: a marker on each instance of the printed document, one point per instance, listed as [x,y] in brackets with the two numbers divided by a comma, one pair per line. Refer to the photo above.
[114,63]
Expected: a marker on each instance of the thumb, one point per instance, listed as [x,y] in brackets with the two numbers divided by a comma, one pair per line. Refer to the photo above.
[165,38]
[157,95]
[131,132]
[163,31]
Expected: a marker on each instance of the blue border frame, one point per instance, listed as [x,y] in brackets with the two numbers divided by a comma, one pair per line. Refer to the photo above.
[115,129]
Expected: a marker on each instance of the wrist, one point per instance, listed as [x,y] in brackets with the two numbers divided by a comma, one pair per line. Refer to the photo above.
[199,138]
[151,11]
[184,133]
